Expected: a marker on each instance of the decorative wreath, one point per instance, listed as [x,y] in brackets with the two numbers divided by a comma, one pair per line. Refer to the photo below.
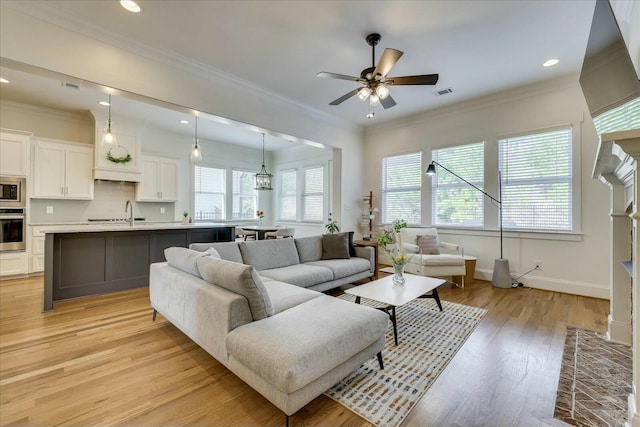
[126,158]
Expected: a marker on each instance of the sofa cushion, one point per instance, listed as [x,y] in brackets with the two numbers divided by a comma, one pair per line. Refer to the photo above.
[436,260]
[343,267]
[428,244]
[304,275]
[301,344]
[227,250]
[283,296]
[239,278]
[184,259]
[267,254]
[335,246]
[309,248]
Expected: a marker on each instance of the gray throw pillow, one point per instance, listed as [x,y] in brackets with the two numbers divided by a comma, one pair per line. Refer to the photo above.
[184,259]
[428,244]
[241,279]
[335,246]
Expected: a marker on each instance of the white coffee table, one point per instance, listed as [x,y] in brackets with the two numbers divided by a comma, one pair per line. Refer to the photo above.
[383,290]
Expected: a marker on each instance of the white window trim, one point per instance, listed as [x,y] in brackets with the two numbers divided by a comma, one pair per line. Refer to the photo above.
[421,188]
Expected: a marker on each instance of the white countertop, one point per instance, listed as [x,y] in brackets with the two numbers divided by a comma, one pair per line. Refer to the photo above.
[142,225]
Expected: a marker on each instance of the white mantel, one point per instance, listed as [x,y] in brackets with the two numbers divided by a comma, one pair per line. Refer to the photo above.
[617,166]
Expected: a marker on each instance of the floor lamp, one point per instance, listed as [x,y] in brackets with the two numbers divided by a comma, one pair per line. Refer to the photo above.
[501,274]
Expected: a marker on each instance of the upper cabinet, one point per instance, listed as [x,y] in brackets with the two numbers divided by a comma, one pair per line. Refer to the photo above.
[62,171]
[159,179]
[14,154]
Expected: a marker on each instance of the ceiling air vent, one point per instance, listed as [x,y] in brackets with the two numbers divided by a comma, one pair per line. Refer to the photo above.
[443,91]
[70,85]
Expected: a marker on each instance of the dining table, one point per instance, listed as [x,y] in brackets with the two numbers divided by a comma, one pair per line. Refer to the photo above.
[261,230]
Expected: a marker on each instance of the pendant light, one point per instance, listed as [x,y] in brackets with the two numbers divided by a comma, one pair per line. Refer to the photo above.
[263,178]
[108,138]
[196,152]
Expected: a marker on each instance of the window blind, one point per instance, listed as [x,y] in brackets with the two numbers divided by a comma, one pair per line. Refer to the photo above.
[209,193]
[536,181]
[626,116]
[401,184]
[288,193]
[313,196]
[455,202]
[244,195]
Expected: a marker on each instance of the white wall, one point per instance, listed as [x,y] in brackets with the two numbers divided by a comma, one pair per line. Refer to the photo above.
[32,41]
[574,263]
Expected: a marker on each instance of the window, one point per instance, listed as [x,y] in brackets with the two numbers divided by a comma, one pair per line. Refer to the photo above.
[626,116]
[288,194]
[313,195]
[401,182]
[454,202]
[244,195]
[537,189]
[209,193]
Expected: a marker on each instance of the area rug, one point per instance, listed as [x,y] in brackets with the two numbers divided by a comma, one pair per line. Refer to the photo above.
[427,341]
[595,381]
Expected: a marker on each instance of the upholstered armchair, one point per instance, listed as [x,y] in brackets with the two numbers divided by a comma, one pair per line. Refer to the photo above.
[241,232]
[430,256]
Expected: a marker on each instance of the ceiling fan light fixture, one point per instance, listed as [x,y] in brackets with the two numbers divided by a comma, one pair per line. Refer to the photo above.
[374,99]
[364,93]
[382,91]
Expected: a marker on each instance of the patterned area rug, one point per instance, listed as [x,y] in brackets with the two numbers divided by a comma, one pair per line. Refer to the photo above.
[427,340]
[595,381]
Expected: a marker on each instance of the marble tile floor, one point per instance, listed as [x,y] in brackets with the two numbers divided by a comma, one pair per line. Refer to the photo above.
[595,381]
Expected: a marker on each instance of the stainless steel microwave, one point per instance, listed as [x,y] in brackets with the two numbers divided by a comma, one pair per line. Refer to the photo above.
[12,192]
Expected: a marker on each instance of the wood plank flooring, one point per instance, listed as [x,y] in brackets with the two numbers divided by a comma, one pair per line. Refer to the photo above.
[101,361]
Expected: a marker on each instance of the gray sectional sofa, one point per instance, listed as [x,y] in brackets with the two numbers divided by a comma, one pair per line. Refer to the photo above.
[287,342]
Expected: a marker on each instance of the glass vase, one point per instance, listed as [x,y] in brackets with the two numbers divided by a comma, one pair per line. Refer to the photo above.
[260,222]
[398,276]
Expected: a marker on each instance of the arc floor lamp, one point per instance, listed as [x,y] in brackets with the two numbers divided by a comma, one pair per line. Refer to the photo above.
[501,274]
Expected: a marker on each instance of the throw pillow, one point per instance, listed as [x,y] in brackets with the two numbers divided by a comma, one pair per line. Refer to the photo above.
[213,253]
[352,249]
[428,244]
[184,259]
[239,278]
[335,246]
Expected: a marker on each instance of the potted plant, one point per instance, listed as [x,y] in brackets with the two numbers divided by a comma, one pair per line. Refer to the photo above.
[185,217]
[332,226]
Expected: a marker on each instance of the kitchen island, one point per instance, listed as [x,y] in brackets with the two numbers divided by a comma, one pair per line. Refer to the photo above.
[83,260]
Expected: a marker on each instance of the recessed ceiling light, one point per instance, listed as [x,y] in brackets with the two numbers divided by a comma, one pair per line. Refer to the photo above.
[551,63]
[184,122]
[3,80]
[103,103]
[130,5]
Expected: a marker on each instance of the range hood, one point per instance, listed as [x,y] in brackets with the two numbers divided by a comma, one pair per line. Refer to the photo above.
[121,162]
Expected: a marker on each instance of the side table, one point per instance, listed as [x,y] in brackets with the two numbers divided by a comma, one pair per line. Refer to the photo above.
[470,270]
[374,245]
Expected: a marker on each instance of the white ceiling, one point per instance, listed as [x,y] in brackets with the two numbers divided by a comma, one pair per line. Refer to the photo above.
[477,47]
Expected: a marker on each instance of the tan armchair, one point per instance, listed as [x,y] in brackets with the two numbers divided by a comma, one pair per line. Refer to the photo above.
[449,262]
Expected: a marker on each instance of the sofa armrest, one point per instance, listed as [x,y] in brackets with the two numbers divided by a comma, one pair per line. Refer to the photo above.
[453,247]
[368,253]
[414,249]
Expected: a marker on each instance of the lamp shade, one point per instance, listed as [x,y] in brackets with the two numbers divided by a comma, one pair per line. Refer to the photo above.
[263,178]
[431,169]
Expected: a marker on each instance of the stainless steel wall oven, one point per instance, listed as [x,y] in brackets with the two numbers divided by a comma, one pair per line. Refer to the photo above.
[13,222]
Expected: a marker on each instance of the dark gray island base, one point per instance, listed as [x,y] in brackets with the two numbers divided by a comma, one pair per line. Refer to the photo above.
[80,264]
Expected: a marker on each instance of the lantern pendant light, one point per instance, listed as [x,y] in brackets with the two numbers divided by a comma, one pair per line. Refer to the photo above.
[196,152]
[108,138]
[263,178]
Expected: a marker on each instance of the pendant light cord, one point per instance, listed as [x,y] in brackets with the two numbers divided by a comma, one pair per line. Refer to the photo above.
[263,150]
[196,132]
[109,112]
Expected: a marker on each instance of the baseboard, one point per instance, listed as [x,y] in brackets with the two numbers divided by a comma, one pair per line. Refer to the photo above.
[633,419]
[619,332]
[557,285]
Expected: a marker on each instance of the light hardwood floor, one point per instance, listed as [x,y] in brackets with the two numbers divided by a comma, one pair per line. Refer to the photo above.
[102,361]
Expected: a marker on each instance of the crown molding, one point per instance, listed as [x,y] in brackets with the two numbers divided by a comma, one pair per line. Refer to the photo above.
[47,12]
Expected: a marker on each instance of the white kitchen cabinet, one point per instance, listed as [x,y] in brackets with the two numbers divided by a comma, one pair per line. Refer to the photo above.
[159,179]
[62,171]
[14,154]
[36,250]
[13,263]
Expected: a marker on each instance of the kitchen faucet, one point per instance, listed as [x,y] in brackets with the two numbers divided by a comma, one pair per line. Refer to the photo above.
[126,210]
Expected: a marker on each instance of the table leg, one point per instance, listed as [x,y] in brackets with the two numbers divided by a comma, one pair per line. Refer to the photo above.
[357,300]
[435,296]
[394,321]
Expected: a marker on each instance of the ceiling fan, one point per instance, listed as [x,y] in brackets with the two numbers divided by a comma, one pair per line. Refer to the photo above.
[375,80]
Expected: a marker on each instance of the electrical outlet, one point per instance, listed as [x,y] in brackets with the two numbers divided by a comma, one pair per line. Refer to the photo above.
[161,210]
[49,209]
[538,264]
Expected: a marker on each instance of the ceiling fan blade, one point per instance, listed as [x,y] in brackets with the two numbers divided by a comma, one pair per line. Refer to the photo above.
[338,76]
[344,97]
[387,60]
[388,102]
[424,79]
